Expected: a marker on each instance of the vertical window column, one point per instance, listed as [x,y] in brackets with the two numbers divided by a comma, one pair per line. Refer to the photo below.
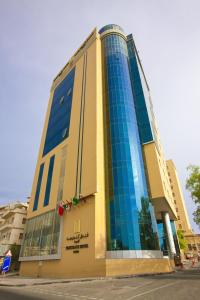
[49,179]
[37,194]
[62,174]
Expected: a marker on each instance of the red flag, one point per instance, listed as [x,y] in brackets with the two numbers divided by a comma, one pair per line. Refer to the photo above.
[60,210]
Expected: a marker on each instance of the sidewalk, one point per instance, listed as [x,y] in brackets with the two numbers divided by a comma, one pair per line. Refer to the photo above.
[187,265]
[17,281]
[12,280]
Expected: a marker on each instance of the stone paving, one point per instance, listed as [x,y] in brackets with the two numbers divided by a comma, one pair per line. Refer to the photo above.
[15,280]
[182,284]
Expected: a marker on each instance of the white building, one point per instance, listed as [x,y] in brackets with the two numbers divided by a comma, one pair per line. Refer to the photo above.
[12,223]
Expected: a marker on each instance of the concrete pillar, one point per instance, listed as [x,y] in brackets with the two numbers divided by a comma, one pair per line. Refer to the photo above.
[166,221]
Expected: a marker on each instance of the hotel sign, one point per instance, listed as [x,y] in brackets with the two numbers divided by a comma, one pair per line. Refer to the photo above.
[77,239]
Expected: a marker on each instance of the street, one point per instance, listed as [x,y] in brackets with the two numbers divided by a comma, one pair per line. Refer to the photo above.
[180,285]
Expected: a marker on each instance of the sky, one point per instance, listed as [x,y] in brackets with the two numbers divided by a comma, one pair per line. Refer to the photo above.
[37,38]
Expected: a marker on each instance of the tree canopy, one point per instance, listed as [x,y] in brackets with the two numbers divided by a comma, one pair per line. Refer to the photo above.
[182,241]
[193,185]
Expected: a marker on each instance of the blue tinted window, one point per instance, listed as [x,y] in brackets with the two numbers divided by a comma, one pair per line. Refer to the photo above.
[49,179]
[59,120]
[140,102]
[163,240]
[175,237]
[37,193]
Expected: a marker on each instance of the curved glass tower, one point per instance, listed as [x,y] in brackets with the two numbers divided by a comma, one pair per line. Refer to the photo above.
[131,223]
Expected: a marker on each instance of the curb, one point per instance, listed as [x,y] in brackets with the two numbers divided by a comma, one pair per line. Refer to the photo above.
[50,282]
[85,279]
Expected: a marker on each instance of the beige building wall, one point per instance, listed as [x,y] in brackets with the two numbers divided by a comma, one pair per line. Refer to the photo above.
[159,185]
[90,214]
[91,138]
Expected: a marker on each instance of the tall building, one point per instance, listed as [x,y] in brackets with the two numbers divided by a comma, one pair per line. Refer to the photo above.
[101,202]
[12,223]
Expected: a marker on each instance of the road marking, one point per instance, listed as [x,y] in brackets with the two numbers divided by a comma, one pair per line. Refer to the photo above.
[138,286]
[152,290]
[48,292]
[87,297]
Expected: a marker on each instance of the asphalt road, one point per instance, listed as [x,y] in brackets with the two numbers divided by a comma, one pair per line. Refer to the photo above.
[180,285]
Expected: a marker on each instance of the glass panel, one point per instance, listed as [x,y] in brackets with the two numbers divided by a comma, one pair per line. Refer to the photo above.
[55,236]
[46,237]
[42,235]
[49,179]
[36,237]
[37,193]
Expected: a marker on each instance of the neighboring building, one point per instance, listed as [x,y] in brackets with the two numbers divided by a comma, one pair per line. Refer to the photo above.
[100,160]
[12,223]
[182,223]
[193,244]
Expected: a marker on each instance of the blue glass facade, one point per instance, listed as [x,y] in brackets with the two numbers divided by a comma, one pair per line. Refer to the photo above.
[129,217]
[163,240]
[141,108]
[111,27]
[37,193]
[175,237]
[49,179]
[59,120]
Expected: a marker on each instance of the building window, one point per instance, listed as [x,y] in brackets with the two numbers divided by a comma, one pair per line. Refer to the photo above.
[49,180]
[24,221]
[37,194]
[62,174]
[64,132]
[62,99]
[21,236]
[178,217]
[41,235]
[176,209]
[198,246]
[180,226]
[194,247]
[173,194]
[189,247]
[69,92]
